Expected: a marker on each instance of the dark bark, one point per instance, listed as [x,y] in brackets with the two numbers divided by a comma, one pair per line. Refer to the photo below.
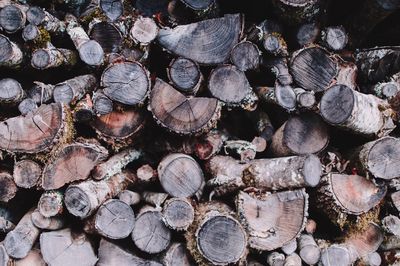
[184,11]
[292,11]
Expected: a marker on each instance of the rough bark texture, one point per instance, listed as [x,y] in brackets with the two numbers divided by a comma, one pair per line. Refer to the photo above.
[72,90]
[10,54]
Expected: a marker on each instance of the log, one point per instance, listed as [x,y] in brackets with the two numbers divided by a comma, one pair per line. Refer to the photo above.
[40,92]
[280,69]
[302,134]
[265,174]
[185,75]
[313,68]
[245,56]
[183,11]
[309,251]
[11,92]
[26,106]
[62,248]
[144,31]
[275,259]
[51,57]
[181,114]
[111,254]
[4,258]
[263,125]
[112,9]
[6,220]
[31,33]
[292,12]
[34,258]
[282,96]
[155,199]
[241,149]
[12,18]
[10,54]
[373,259]
[379,157]
[178,213]
[266,229]
[307,34]
[84,198]
[311,226]
[334,38]
[108,36]
[347,74]
[230,85]
[146,174]
[72,90]
[115,163]
[274,44]
[47,223]
[8,187]
[177,255]
[391,224]
[50,203]
[40,17]
[353,111]
[367,240]
[114,219]
[129,197]
[336,255]
[293,260]
[189,41]
[20,241]
[305,99]
[216,237]
[180,175]
[83,112]
[102,105]
[71,163]
[35,15]
[290,247]
[150,234]
[395,196]
[127,83]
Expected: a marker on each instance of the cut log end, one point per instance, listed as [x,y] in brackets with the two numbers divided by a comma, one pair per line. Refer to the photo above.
[8,188]
[77,202]
[12,18]
[144,30]
[35,15]
[26,173]
[245,56]
[178,213]
[383,158]
[11,91]
[50,204]
[337,104]
[28,105]
[185,75]
[312,170]
[91,53]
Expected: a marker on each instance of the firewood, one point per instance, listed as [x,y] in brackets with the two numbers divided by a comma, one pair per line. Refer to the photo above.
[180,175]
[311,226]
[276,259]
[334,38]
[144,30]
[84,198]
[178,213]
[266,230]
[146,174]
[181,114]
[230,85]
[31,33]
[347,74]
[391,224]
[107,35]
[40,17]
[10,54]
[20,241]
[9,188]
[13,18]
[35,15]
[305,99]
[297,11]
[308,249]
[34,258]
[83,111]
[307,34]
[185,75]
[111,8]
[150,234]
[129,197]
[73,162]
[50,203]
[26,106]
[177,254]
[155,199]
[11,92]
[293,260]
[63,248]
[262,124]
[72,90]
[51,57]
[280,69]
[216,236]
[47,223]
[282,96]
[373,259]
[275,44]
[245,56]
[188,40]
[303,134]
[290,247]
[336,255]
[188,10]
[395,196]
[41,92]
[102,105]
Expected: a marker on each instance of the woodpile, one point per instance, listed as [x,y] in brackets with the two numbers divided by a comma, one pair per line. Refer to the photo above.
[213,132]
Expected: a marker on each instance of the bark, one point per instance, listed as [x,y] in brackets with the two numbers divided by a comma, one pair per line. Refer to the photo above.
[11,92]
[309,251]
[272,220]
[395,196]
[307,34]
[155,199]
[129,197]
[47,223]
[13,17]
[10,54]
[51,57]
[293,12]
[185,75]
[40,92]
[107,35]
[282,96]
[262,124]
[245,56]
[72,90]
[243,150]
[8,187]
[180,175]
[84,198]
[334,38]
[280,69]
[51,203]
[35,15]
[144,31]
[178,213]
[102,105]
[347,74]
[177,255]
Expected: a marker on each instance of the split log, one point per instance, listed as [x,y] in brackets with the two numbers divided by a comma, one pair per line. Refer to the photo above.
[307,34]
[379,157]
[290,247]
[305,99]
[230,85]
[10,54]
[102,105]
[47,223]
[143,31]
[127,83]
[26,106]
[336,255]
[275,259]
[180,175]
[178,213]
[8,187]
[50,203]
[111,254]
[150,234]
[129,197]
[115,163]
[51,57]
[13,18]
[334,38]
[34,258]
[72,90]
[266,174]
[184,11]
[155,199]
[341,194]
[11,92]
[354,111]
[84,198]
[185,75]
[245,56]
[146,174]
[177,255]
[40,92]
[189,41]
[366,241]
[293,260]
[268,230]
[313,68]
[114,219]
[282,96]
[308,249]
[106,34]
[113,9]
[180,114]
[20,241]
[71,163]
[303,134]
[292,11]
[61,248]
[216,237]
[275,44]
[89,50]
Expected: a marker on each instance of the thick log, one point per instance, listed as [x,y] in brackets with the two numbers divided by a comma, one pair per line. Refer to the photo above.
[230,85]
[20,241]
[127,83]
[114,219]
[31,33]
[35,15]
[307,34]
[144,30]
[61,248]
[207,42]
[115,163]
[302,134]
[334,38]
[83,199]
[281,95]
[265,174]
[47,223]
[72,90]
[313,68]
[102,105]
[354,111]
[50,203]
[51,57]
[309,251]
[180,175]
[216,237]
[178,213]
[11,92]
[129,197]
[272,220]
[184,11]
[177,255]
[293,11]
[275,259]
[107,35]
[180,114]
[150,234]
[366,241]
[185,75]
[71,163]
[26,106]
[8,187]
[245,56]
[379,157]
[13,18]
[274,44]
[10,54]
